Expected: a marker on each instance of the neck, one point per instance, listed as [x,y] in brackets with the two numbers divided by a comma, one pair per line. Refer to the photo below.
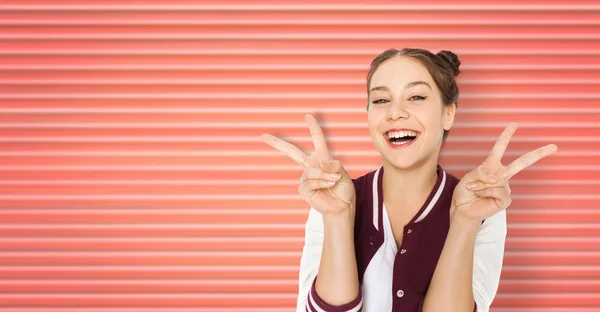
[403,186]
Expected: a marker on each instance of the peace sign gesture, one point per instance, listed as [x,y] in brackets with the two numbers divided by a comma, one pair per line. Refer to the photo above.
[484,191]
[325,185]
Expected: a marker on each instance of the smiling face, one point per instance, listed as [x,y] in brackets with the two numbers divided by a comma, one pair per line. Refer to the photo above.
[404,98]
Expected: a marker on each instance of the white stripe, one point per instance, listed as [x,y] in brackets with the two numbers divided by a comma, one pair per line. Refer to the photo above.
[319,67]
[158,239]
[158,253]
[195,309]
[268,110]
[554,240]
[212,226]
[549,211]
[553,254]
[292,168]
[272,212]
[357,308]
[164,182]
[137,197]
[132,281]
[556,196]
[312,7]
[435,198]
[514,181]
[225,211]
[313,303]
[155,211]
[353,22]
[290,268]
[376,200]
[577,226]
[229,226]
[303,36]
[237,197]
[198,295]
[153,268]
[303,51]
[286,95]
[246,153]
[353,139]
[262,125]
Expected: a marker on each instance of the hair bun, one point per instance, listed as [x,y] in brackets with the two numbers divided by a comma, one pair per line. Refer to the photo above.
[451,59]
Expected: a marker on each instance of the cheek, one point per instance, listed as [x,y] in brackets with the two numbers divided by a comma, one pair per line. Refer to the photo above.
[373,119]
[432,120]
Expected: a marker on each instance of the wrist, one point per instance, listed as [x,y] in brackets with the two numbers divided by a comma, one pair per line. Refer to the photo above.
[343,218]
[457,217]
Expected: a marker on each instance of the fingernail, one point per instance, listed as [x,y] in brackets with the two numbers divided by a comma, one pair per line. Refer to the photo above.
[331,182]
[335,176]
[471,185]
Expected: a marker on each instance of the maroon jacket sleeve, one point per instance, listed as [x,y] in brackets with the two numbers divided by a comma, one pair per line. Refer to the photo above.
[314,303]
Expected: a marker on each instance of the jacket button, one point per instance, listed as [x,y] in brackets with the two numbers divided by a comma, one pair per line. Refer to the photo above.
[371,241]
[400,293]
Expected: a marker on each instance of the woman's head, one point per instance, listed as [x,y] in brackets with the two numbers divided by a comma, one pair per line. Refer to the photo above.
[416,90]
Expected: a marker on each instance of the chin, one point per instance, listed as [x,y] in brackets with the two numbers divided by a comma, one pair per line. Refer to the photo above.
[402,164]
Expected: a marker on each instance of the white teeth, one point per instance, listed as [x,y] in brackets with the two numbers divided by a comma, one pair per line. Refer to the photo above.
[401,134]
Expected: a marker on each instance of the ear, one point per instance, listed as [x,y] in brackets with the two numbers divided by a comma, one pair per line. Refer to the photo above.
[449,116]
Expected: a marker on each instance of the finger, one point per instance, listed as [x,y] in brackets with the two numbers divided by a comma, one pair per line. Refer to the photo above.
[331,166]
[475,186]
[316,133]
[308,187]
[530,158]
[318,174]
[481,174]
[500,194]
[486,181]
[485,175]
[502,142]
[287,148]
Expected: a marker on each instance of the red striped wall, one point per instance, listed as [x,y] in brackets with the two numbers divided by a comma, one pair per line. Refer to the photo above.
[133,177]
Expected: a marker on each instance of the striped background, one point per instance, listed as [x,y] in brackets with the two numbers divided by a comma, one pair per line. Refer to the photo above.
[132,174]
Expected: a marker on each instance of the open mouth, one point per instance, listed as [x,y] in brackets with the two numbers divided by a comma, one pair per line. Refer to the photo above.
[401,137]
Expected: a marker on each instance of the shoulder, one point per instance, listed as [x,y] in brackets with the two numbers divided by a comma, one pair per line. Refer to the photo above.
[361,183]
[363,187]
[451,181]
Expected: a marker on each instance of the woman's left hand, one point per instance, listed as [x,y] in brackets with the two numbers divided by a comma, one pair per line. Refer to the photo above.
[484,191]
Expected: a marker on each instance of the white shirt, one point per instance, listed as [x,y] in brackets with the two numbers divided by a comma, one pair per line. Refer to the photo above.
[377,295]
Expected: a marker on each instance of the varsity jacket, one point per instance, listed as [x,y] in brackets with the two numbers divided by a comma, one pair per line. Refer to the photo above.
[397,280]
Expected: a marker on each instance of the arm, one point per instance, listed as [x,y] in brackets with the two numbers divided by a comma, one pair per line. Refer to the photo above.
[329,254]
[468,272]
[471,261]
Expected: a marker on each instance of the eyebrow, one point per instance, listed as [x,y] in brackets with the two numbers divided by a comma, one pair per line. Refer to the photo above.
[408,85]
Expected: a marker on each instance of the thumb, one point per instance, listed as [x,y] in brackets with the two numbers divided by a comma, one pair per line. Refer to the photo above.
[331,166]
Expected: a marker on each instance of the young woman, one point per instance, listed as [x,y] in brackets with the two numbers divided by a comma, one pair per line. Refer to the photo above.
[408,236]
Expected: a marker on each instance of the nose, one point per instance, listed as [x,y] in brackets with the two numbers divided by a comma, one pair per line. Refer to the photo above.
[396,110]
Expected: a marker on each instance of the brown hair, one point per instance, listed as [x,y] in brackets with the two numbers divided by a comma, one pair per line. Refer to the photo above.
[443,68]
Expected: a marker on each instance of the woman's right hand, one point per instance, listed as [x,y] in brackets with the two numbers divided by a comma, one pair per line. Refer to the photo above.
[324,185]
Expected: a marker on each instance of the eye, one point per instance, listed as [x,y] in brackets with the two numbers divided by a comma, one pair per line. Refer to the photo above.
[418,96]
[380,101]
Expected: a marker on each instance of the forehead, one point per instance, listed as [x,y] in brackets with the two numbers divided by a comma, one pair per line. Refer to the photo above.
[397,71]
